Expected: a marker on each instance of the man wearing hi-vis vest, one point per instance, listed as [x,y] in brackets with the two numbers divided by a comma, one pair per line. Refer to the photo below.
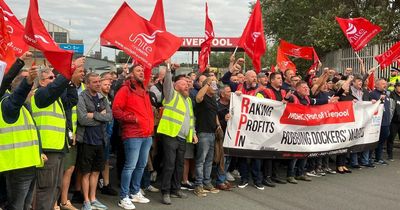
[20,143]
[53,96]
[177,128]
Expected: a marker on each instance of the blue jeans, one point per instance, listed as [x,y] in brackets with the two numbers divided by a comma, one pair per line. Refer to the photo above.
[136,154]
[301,164]
[385,131]
[221,175]
[204,158]
[146,178]
[255,170]
[366,157]
[353,158]
[20,185]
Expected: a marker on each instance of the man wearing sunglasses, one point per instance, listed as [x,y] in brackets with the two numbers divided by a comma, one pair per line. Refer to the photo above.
[53,96]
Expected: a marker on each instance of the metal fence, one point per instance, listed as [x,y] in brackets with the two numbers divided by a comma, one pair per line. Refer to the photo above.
[344,58]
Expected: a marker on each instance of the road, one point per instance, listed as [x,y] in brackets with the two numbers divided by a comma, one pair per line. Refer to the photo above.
[377,188]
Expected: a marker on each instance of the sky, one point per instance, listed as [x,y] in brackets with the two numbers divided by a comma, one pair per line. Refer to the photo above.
[86,19]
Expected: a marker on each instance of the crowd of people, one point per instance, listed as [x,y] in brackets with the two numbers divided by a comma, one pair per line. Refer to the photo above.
[58,135]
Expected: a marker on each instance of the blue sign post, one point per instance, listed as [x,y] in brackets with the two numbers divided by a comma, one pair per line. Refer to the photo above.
[77,48]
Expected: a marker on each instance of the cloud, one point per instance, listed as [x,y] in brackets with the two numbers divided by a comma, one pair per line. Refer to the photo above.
[183,17]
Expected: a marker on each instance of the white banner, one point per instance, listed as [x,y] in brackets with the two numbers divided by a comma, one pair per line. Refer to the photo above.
[267,128]
[2,70]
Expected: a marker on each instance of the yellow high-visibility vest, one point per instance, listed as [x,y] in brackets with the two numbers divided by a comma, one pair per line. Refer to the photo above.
[174,115]
[393,80]
[74,117]
[51,123]
[19,142]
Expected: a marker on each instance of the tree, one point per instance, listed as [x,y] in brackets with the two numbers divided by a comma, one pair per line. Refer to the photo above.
[122,57]
[312,23]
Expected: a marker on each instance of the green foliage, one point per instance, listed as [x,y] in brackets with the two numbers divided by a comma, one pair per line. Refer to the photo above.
[312,23]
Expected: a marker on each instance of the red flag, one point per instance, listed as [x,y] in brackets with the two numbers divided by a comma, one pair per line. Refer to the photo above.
[359,31]
[390,56]
[157,18]
[37,37]
[140,39]
[316,62]
[284,62]
[253,40]
[296,51]
[272,69]
[206,45]
[371,81]
[6,52]
[16,30]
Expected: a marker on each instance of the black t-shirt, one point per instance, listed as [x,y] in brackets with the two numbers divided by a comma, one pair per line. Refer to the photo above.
[222,111]
[206,113]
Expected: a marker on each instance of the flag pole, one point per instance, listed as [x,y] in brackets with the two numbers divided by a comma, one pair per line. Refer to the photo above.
[244,63]
[234,52]
[91,48]
[129,58]
[358,56]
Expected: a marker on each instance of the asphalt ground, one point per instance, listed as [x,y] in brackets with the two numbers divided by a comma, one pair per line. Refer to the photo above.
[367,188]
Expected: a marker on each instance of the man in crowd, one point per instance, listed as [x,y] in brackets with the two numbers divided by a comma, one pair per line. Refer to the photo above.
[394,78]
[379,93]
[262,79]
[177,127]
[53,96]
[206,124]
[300,96]
[288,74]
[70,157]
[106,186]
[132,107]
[158,85]
[249,87]
[348,71]
[293,82]
[223,117]
[273,91]
[93,113]
[19,160]
[395,123]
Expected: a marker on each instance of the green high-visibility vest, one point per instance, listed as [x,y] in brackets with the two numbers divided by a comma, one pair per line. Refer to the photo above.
[19,142]
[74,117]
[174,115]
[393,80]
[51,123]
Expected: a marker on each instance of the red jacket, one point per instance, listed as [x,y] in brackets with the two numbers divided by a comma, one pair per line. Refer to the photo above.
[132,107]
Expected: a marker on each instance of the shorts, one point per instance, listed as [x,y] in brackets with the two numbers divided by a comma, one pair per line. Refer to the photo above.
[90,158]
[70,157]
[189,153]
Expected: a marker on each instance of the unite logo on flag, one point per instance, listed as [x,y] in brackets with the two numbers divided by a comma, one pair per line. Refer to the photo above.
[36,38]
[143,42]
[6,18]
[351,29]
[296,51]
[354,34]
[255,35]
